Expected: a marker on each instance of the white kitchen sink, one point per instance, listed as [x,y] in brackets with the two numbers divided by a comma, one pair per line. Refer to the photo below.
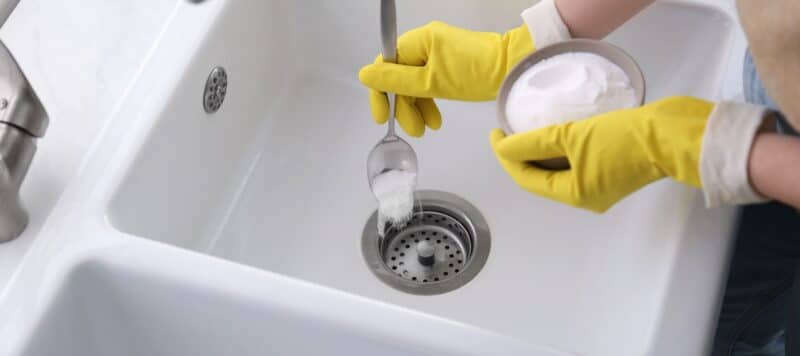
[276,181]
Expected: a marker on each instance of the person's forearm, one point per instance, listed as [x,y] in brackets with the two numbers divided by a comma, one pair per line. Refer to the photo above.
[774,167]
[597,18]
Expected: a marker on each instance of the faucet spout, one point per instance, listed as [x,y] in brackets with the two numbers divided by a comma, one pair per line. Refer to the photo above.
[6,8]
[17,148]
[23,119]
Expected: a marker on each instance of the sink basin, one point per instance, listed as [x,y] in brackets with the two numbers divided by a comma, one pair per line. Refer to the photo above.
[275,179]
[273,186]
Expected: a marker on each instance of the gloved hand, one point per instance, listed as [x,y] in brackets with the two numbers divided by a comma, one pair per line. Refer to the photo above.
[442,61]
[611,155]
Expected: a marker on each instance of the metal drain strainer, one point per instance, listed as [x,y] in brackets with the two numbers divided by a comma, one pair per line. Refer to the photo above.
[443,247]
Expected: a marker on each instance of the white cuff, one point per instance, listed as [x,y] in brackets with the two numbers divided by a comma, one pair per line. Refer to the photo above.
[726,147]
[545,24]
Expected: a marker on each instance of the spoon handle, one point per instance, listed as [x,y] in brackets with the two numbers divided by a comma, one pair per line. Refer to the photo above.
[389,41]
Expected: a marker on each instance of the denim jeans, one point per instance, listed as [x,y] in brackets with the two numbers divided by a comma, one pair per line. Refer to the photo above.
[754,92]
[759,290]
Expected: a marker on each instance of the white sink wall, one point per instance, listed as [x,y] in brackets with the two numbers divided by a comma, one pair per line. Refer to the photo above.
[108,310]
[112,304]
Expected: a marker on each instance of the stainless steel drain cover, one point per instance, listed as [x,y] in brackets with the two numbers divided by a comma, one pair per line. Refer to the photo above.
[215,90]
[443,247]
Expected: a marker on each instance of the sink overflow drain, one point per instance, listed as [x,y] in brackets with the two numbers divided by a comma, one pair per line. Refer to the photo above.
[443,246]
[215,90]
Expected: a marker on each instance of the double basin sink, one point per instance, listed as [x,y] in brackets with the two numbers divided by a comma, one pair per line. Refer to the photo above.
[239,232]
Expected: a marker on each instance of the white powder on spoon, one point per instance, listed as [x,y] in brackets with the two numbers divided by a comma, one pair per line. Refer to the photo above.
[567,87]
[395,193]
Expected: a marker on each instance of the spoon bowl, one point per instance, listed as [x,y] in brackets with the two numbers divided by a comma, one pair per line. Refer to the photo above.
[390,153]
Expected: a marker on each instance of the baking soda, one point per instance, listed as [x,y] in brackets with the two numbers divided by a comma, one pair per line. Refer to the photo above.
[395,193]
[567,87]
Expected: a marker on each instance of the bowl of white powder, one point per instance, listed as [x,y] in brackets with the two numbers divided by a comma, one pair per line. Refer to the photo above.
[568,81]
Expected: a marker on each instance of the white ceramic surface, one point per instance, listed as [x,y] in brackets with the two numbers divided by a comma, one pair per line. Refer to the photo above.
[641,279]
[114,305]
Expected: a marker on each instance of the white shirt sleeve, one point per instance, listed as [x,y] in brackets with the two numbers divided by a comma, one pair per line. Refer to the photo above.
[545,24]
[725,152]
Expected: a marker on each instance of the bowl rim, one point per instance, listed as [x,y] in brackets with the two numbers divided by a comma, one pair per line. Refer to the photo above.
[609,51]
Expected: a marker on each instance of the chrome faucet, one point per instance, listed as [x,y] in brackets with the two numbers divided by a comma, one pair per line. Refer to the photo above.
[22,120]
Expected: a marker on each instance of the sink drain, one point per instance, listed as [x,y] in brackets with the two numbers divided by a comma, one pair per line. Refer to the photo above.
[443,246]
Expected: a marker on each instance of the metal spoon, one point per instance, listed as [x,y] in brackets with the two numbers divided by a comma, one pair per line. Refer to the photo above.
[391,152]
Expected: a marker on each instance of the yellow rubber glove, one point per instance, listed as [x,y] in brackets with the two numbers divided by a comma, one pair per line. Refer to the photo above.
[442,61]
[611,155]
